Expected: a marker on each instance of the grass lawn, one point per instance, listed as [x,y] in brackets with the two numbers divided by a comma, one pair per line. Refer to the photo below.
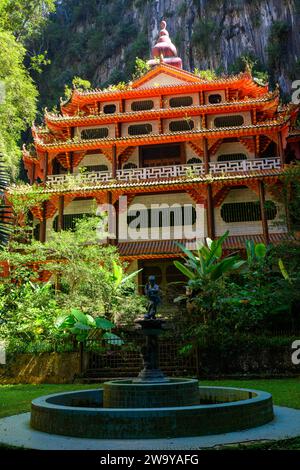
[16,399]
[285,392]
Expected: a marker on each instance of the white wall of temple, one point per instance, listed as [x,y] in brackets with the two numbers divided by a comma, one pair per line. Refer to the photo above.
[134,157]
[92,160]
[247,228]
[230,148]
[162,79]
[164,201]
[155,99]
[172,200]
[246,115]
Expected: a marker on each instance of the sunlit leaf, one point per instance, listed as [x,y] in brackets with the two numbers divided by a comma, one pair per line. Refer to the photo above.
[103,323]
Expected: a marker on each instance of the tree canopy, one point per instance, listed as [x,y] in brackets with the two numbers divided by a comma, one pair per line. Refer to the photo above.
[18,104]
[20,20]
[24,18]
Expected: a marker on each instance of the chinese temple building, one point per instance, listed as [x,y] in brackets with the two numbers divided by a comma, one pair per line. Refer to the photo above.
[169,137]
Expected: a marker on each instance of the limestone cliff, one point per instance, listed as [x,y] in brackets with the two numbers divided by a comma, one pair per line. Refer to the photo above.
[99,39]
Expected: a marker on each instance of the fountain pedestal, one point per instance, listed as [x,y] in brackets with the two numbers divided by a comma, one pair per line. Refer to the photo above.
[151,372]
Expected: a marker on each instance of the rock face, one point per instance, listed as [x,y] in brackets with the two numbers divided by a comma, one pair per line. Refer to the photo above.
[101,39]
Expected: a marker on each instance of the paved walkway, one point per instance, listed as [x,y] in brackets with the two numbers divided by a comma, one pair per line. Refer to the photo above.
[15,431]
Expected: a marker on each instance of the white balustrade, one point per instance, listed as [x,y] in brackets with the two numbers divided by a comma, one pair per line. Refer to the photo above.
[81,178]
[161,172]
[245,165]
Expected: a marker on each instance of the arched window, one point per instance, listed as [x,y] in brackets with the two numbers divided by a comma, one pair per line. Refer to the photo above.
[181,101]
[129,166]
[229,157]
[247,211]
[96,133]
[140,129]
[142,105]
[215,98]
[229,121]
[194,161]
[109,109]
[177,126]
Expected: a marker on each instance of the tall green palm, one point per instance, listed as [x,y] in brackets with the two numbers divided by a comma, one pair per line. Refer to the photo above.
[5,212]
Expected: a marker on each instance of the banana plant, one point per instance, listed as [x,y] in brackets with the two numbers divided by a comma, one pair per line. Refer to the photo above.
[205,269]
[81,324]
[206,263]
[118,275]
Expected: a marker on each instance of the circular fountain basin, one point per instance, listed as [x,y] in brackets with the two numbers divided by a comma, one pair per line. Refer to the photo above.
[86,413]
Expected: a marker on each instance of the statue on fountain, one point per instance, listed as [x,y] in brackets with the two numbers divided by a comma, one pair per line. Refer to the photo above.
[152,291]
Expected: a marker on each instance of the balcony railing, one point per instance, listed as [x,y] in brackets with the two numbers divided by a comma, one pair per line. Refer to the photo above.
[162,172]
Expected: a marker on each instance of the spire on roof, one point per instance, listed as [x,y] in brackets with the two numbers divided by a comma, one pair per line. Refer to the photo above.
[164,49]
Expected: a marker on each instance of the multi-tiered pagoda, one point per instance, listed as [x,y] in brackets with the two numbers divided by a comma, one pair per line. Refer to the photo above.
[169,137]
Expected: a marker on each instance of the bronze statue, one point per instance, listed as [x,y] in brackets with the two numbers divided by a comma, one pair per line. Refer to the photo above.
[152,291]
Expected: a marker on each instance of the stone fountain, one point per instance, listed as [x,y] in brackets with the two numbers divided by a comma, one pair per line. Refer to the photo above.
[151,405]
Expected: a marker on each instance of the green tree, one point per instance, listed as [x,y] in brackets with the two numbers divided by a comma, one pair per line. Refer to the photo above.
[18,103]
[24,18]
[87,277]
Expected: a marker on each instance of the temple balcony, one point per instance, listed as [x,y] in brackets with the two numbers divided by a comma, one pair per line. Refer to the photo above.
[171,171]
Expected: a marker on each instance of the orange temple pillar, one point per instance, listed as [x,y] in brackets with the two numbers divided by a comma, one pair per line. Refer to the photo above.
[206,156]
[210,213]
[264,219]
[114,162]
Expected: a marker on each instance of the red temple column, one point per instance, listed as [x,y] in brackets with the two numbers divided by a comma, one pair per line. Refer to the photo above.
[205,155]
[114,162]
[210,213]
[264,219]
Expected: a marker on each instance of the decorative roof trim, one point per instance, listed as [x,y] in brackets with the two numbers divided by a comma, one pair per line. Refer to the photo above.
[156,113]
[165,137]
